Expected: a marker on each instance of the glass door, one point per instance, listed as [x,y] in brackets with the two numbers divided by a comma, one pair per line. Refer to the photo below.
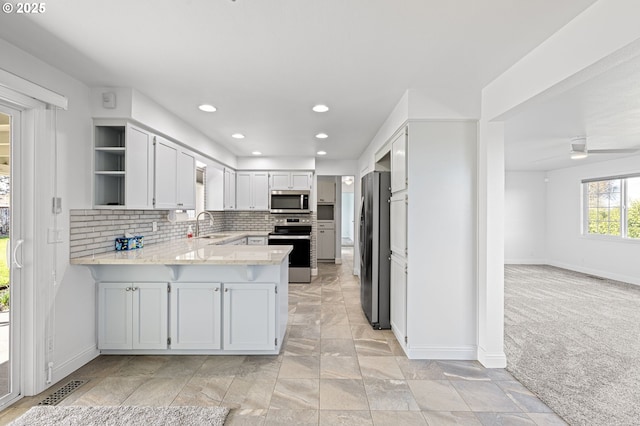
[10,257]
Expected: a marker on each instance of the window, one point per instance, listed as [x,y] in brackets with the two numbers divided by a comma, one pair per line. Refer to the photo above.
[612,206]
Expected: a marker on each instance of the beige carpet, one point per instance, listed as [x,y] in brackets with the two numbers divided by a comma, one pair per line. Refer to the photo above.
[574,340]
[116,416]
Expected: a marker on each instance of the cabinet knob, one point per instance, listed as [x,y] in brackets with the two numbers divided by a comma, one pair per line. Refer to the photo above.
[226,290]
[216,289]
[128,289]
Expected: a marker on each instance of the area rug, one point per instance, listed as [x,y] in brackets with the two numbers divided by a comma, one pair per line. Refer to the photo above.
[574,340]
[116,416]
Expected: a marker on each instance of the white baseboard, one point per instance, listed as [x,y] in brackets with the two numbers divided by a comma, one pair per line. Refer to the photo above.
[525,261]
[63,370]
[492,360]
[598,273]
[460,353]
[314,271]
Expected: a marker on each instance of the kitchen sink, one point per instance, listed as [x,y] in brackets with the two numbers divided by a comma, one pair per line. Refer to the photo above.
[215,236]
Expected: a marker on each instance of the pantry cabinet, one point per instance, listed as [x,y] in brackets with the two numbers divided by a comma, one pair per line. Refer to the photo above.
[399,178]
[326,190]
[132,315]
[326,243]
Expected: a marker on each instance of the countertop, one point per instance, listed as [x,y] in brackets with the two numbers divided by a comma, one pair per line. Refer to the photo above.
[195,251]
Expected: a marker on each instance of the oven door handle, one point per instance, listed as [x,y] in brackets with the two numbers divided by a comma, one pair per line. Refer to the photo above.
[289,237]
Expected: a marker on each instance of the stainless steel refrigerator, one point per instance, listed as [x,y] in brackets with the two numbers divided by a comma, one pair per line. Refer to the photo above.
[375,251]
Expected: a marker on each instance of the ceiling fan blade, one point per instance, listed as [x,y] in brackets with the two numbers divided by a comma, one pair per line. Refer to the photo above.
[612,151]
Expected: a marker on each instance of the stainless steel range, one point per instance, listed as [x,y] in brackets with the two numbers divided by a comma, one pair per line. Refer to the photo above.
[297,233]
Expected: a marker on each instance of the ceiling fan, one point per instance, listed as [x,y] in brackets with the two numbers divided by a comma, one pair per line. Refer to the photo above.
[579,149]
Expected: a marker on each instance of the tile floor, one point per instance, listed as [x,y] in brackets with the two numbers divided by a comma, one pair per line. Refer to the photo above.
[334,369]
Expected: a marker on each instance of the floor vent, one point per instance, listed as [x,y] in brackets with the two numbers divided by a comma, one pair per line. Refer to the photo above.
[62,393]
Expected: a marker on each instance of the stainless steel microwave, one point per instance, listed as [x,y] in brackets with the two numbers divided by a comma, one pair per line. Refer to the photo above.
[290,201]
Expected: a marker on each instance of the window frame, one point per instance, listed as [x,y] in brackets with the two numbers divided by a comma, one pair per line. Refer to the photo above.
[624,202]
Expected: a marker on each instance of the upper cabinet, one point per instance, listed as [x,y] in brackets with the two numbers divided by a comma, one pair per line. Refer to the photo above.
[229,189]
[399,179]
[283,180]
[123,167]
[326,189]
[220,187]
[252,190]
[135,169]
[175,170]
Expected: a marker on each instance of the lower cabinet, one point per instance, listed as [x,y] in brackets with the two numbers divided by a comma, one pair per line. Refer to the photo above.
[326,244]
[249,316]
[195,316]
[398,298]
[132,315]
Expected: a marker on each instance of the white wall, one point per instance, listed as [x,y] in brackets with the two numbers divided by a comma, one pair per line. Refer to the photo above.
[73,309]
[525,217]
[441,290]
[566,246]
[276,163]
[131,104]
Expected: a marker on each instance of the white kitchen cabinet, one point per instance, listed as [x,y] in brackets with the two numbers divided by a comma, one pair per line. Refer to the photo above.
[196,315]
[398,298]
[326,190]
[249,311]
[123,166]
[326,241]
[284,180]
[252,190]
[175,176]
[186,198]
[132,315]
[229,189]
[399,162]
[398,224]
[166,174]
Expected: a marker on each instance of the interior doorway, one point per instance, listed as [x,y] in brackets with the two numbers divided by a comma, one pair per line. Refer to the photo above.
[10,259]
[347,214]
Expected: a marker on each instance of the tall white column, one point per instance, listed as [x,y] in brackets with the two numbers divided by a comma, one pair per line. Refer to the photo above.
[491,245]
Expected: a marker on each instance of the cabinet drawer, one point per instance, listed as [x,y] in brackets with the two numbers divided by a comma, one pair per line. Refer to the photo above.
[257,241]
[326,225]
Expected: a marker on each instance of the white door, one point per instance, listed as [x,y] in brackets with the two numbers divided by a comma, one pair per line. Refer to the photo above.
[249,316]
[11,259]
[243,193]
[139,168]
[300,180]
[196,313]
[398,230]
[115,324]
[166,174]
[398,299]
[150,311]
[399,163]
[186,180]
[260,188]
[280,180]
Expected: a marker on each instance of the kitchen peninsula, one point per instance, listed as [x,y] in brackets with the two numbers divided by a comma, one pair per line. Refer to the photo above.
[191,296]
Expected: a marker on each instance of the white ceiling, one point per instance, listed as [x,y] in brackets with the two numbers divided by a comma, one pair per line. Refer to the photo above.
[264,64]
[605,109]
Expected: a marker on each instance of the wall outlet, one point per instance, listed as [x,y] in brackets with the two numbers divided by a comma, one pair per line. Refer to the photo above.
[154,226]
[50,344]
[54,235]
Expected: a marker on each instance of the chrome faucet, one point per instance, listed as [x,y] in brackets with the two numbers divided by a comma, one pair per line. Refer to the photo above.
[198,221]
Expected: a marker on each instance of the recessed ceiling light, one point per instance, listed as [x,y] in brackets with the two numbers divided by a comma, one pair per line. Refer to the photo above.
[237,136]
[322,136]
[207,108]
[320,108]
[256,153]
[321,152]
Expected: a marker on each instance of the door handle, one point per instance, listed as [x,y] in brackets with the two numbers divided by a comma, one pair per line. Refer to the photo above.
[15,254]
